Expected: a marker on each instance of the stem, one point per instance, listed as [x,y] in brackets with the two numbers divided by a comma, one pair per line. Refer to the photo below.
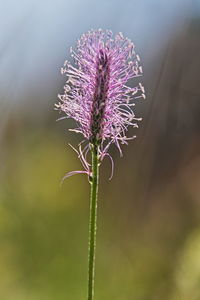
[93,221]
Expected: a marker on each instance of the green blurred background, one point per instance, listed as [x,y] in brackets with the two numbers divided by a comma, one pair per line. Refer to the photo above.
[148,245]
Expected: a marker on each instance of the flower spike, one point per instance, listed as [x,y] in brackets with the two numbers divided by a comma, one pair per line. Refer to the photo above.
[96,95]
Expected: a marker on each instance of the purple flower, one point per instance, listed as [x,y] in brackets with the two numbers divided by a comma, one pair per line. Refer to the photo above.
[96,95]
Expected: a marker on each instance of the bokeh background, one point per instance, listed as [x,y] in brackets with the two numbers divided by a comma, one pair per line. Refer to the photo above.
[148,244]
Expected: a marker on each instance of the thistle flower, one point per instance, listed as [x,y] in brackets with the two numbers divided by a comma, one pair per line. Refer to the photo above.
[96,95]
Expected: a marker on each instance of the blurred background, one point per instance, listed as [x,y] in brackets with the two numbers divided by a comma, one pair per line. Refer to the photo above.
[148,244]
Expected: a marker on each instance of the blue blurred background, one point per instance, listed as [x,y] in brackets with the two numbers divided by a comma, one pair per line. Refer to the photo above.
[149,214]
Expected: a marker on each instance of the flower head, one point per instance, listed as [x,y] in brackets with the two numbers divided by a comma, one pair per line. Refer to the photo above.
[95,94]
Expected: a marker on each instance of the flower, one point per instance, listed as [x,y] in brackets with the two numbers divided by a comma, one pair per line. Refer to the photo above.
[96,95]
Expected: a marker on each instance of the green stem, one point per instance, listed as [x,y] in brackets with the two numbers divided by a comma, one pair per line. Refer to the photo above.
[93,221]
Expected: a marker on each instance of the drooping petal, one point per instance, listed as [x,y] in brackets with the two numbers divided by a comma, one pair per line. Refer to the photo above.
[73,173]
